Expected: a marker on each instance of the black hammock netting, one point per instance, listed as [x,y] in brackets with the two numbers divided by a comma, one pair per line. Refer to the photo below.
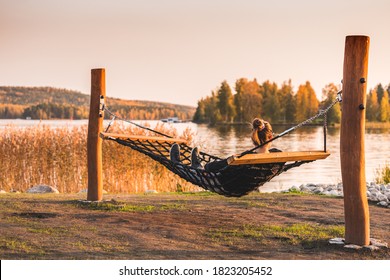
[231,181]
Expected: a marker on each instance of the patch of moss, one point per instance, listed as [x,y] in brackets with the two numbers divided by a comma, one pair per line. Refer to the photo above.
[16,245]
[202,193]
[116,206]
[295,234]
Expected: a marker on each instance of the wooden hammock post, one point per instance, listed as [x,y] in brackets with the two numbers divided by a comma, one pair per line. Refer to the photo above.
[357,224]
[94,142]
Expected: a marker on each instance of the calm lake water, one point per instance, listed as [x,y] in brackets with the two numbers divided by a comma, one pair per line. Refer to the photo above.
[227,140]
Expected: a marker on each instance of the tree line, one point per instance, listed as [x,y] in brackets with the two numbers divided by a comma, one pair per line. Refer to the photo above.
[47,111]
[53,103]
[378,106]
[280,104]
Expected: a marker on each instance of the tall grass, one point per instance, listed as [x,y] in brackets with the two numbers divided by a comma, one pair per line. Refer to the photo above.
[382,174]
[58,157]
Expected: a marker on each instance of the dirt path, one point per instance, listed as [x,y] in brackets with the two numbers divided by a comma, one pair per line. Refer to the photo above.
[180,226]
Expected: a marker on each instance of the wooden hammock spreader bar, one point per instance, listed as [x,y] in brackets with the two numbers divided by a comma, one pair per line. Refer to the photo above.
[105,135]
[278,157]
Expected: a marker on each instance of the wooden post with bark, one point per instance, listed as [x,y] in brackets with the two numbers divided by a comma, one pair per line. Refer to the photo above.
[94,142]
[352,155]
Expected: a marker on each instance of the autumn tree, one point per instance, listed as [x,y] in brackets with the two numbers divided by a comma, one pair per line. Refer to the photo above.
[200,115]
[225,102]
[372,106]
[380,91]
[329,94]
[11,111]
[287,102]
[247,100]
[384,107]
[212,113]
[252,104]
[271,101]
[307,102]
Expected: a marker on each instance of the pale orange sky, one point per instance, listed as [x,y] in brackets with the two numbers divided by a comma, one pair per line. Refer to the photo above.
[178,51]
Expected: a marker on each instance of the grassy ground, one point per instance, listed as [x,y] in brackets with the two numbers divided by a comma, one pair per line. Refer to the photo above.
[180,226]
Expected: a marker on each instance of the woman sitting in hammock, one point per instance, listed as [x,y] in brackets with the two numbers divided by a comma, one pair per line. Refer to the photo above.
[261,133]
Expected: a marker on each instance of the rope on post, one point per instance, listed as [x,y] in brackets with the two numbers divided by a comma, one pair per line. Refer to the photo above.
[110,123]
[136,124]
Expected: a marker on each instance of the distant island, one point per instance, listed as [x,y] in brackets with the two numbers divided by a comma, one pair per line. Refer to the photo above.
[55,103]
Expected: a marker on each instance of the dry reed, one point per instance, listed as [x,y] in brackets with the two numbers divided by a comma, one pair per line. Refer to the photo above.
[57,157]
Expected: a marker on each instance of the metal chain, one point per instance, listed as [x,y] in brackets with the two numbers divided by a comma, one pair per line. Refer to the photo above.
[321,112]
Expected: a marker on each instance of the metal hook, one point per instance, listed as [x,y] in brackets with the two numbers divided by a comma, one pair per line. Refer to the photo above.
[339,97]
[101,106]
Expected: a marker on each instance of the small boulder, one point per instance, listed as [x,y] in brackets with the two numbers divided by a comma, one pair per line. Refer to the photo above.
[382,197]
[318,190]
[378,243]
[373,190]
[294,188]
[331,187]
[337,241]
[150,191]
[334,193]
[305,189]
[42,189]
[383,203]
[353,247]
[311,186]
[371,248]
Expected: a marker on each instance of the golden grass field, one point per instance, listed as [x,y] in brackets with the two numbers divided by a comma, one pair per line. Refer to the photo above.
[57,157]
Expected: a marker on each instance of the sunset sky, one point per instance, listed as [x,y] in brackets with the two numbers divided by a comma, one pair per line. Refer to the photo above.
[178,51]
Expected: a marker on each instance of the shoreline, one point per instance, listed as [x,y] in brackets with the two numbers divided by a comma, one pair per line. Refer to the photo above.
[369,125]
[377,193]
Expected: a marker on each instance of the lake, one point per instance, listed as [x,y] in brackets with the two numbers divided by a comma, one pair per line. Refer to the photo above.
[226,140]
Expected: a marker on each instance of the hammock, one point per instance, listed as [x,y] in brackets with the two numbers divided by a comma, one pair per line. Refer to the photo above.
[243,174]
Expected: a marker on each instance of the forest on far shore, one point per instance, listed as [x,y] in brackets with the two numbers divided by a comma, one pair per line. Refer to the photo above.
[54,103]
[281,104]
[275,103]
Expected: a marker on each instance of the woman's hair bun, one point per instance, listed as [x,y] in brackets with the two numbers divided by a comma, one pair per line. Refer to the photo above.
[258,123]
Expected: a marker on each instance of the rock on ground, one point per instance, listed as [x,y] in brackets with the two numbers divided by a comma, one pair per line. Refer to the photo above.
[42,189]
[379,193]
